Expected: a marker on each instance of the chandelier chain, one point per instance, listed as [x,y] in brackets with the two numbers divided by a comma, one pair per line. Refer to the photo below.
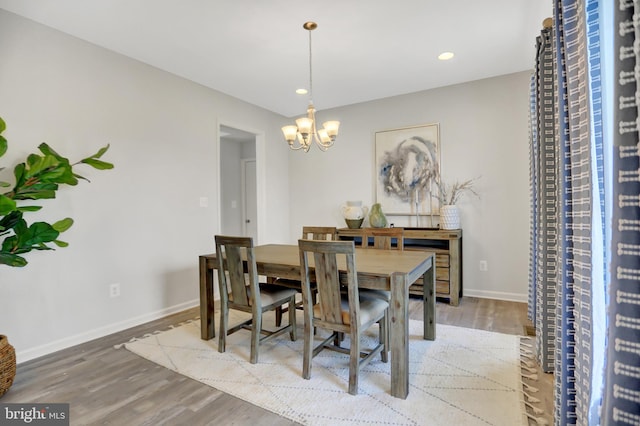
[310,71]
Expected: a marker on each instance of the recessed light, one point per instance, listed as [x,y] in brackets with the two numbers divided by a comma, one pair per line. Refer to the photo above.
[445,56]
[301,91]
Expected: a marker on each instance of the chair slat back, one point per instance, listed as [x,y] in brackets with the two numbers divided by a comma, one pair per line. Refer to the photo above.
[383,238]
[327,278]
[319,233]
[232,252]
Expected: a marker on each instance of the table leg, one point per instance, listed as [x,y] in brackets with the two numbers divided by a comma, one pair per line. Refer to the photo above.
[207,302]
[399,316]
[429,301]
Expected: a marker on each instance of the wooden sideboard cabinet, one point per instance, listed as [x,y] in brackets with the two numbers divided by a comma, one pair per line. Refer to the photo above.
[447,244]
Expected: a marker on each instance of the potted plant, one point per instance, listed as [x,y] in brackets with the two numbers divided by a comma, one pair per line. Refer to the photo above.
[448,195]
[38,177]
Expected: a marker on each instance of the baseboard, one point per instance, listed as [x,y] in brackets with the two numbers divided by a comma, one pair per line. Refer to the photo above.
[499,295]
[38,351]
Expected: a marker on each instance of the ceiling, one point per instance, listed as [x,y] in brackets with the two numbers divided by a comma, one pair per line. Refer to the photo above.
[257,50]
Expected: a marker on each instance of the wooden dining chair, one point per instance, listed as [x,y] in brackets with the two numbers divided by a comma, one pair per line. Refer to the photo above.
[242,291]
[327,233]
[383,238]
[341,314]
[319,233]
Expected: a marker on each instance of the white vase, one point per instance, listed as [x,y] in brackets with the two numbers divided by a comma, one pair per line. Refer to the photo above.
[449,217]
[354,213]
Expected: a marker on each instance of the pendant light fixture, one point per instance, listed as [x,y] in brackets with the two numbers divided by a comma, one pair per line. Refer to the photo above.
[304,131]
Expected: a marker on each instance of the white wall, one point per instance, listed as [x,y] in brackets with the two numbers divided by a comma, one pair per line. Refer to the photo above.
[483,132]
[140,224]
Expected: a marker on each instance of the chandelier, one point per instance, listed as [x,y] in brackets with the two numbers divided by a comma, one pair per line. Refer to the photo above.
[304,132]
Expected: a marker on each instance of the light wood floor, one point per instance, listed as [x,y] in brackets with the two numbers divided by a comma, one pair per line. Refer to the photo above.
[107,386]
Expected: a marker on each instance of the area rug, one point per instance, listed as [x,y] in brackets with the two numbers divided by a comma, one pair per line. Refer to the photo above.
[464,377]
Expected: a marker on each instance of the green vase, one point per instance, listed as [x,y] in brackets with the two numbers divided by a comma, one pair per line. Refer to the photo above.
[377,219]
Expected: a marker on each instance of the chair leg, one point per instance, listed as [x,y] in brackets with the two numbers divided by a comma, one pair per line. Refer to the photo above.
[224,326]
[384,338]
[314,300]
[292,318]
[308,350]
[255,337]
[278,316]
[338,339]
[383,335]
[354,362]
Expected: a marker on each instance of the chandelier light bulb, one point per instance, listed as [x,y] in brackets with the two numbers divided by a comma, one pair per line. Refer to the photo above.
[331,128]
[304,125]
[290,133]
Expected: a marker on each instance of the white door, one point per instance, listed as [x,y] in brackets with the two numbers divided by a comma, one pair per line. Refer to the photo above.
[249,199]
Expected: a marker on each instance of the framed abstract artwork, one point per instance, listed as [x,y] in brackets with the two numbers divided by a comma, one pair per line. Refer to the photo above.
[408,169]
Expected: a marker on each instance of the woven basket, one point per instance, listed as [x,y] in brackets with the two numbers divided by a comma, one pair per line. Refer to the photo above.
[7,364]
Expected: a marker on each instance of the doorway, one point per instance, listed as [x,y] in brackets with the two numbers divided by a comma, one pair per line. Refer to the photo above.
[238,182]
[249,198]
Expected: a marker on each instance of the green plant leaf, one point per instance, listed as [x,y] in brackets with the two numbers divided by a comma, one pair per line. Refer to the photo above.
[47,150]
[28,238]
[35,194]
[51,174]
[11,220]
[68,178]
[101,152]
[61,243]
[12,260]
[63,225]
[21,226]
[9,244]
[3,125]
[40,232]
[7,205]
[3,144]
[29,208]
[40,247]
[81,177]
[36,163]
[98,164]
[18,172]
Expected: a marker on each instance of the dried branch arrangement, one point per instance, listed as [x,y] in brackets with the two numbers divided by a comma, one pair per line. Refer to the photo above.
[450,194]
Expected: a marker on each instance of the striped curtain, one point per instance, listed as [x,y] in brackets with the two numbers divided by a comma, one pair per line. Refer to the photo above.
[543,171]
[621,401]
[564,157]
[573,306]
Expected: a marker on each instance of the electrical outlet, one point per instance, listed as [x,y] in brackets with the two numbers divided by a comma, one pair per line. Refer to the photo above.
[114,290]
[484,267]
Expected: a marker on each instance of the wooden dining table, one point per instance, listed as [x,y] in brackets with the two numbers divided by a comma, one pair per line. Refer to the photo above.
[391,270]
